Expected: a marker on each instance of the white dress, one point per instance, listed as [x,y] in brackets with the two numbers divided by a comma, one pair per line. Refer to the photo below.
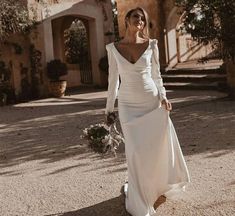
[155,162]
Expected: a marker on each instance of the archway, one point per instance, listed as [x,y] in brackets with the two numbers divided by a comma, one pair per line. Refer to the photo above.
[171,38]
[92,18]
[71,43]
[77,48]
[181,47]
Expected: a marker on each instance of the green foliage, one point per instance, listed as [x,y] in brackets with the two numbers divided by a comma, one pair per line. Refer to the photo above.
[72,46]
[26,92]
[95,135]
[211,21]
[56,69]
[18,48]
[6,91]
[14,18]
[5,73]
[76,42]
[104,65]
[115,20]
[98,132]
[36,70]
[103,138]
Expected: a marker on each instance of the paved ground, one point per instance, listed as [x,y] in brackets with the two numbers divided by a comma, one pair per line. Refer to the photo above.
[45,169]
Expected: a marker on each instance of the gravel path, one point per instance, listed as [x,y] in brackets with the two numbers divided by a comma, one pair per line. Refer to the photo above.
[45,169]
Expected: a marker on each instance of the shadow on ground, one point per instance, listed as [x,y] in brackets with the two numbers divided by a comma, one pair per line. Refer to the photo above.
[207,126]
[51,133]
[114,207]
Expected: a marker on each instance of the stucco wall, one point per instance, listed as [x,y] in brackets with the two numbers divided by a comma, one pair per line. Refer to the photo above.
[156,14]
[189,49]
[15,61]
[163,17]
[99,16]
[124,6]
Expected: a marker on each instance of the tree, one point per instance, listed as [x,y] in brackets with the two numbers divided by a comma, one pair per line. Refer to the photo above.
[211,21]
[14,18]
[76,42]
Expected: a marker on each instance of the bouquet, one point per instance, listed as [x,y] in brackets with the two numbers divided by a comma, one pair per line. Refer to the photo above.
[103,138]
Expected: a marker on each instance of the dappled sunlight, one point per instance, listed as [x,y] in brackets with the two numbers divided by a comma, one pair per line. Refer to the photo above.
[192,98]
[51,103]
[42,122]
[109,164]
[68,168]
[24,112]
[48,134]
[206,127]
[44,136]
[81,99]
[2,125]
[47,139]
[216,154]
[41,145]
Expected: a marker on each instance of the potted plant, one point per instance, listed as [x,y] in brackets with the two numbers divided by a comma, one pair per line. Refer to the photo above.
[55,69]
[104,67]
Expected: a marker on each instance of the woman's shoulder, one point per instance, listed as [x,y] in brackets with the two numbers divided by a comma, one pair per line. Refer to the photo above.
[109,45]
[153,40]
[153,43]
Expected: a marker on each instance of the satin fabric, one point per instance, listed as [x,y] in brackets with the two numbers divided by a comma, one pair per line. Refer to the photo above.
[155,162]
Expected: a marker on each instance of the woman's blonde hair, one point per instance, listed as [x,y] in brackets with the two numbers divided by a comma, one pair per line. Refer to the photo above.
[145,32]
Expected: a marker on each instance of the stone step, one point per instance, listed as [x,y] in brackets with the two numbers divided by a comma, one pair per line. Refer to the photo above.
[175,71]
[202,78]
[195,85]
[196,76]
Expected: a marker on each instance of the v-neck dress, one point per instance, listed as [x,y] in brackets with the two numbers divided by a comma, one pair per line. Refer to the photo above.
[155,162]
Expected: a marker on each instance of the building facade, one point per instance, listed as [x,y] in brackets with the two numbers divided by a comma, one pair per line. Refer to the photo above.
[48,42]
[165,20]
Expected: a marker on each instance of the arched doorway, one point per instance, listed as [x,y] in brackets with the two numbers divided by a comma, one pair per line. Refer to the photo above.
[60,19]
[180,46]
[171,38]
[77,48]
[71,43]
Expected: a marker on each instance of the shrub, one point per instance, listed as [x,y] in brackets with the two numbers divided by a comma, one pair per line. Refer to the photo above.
[56,69]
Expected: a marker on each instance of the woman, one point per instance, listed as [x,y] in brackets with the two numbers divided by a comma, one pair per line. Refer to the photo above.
[156,166]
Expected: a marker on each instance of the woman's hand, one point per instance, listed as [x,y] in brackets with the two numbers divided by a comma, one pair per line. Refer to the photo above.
[167,104]
[110,118]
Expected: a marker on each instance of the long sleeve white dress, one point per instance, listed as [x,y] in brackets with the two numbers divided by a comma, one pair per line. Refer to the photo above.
[155,163]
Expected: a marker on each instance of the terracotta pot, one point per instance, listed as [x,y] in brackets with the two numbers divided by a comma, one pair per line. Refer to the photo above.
[57,88]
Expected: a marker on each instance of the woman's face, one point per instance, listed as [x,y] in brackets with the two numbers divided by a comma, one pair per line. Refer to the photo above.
[137,20]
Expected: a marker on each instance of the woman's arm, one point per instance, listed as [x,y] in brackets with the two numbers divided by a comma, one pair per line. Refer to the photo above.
[113,80]
[156,74]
